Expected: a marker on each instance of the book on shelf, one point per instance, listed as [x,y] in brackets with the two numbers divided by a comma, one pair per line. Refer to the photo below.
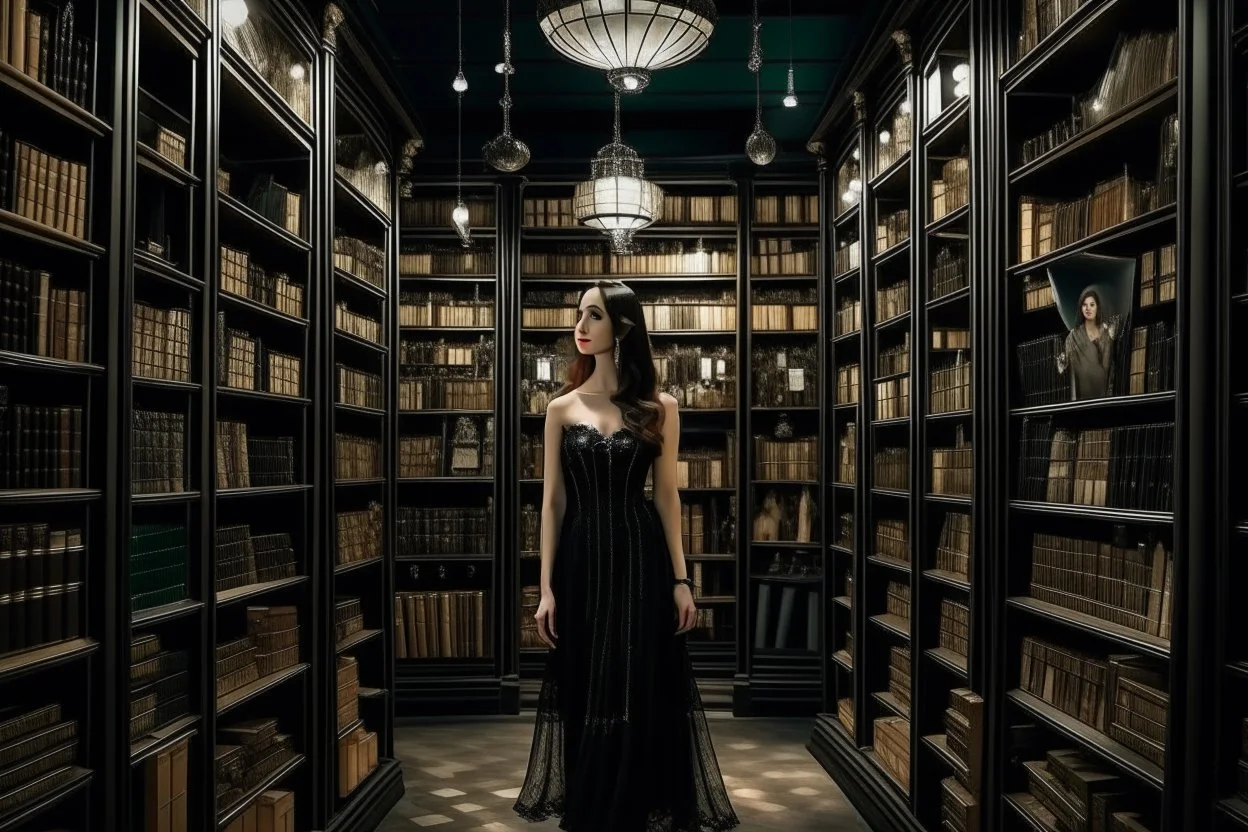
[964,737]
[953,469]
[786,376]
[246,559]
[949,387]
[159,565]
[347,688]
[794,459]
[1126,585]
[890,468]
[442,625]
[372,184]
[356,458]
[166,799]
[891,744]
[955,627]
[953,548]
[39,752]
[775,256]
[39,40]
[892,538]
[160,343]
[891,229]
[357,324]
[848,256]
[159,685]
[243,278]
[948,272]
[357,758]
[1158,276]
[431,310]
[360,260]
[845,714]
[359,534]
[244,363]
[38,316]
[245,754]
[897,601]
[431,259]
[358,388]
[848,316]
[847,455]
[43,188]
[1039,20]
[167,143]
[952,189]
[697,376]
[1125,467]
[277,204]
[786,209]
[41,586]
[1067,790]
[848,381]
[899,675]
[892,395]
[245,461]
[784,310]
[895,137]
[450,532]
[892,300]
[435,212]
[40,446]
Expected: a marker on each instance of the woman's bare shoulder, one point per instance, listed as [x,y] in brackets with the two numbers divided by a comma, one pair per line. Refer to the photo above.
[668,401]
[558,406]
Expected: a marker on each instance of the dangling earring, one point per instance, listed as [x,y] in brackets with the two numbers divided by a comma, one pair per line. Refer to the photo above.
[617,355]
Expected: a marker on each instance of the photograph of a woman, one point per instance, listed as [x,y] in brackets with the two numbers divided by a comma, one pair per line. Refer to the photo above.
[1088,356]
[621,742]
[1094,296]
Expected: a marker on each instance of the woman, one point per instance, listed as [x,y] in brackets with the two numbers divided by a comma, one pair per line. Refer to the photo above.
[1089,351]
[621,742]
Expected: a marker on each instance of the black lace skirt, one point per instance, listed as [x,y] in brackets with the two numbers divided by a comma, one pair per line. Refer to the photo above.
[621,742]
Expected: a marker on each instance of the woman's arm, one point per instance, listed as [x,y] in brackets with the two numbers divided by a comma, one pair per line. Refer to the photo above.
[666,494]
[554,497]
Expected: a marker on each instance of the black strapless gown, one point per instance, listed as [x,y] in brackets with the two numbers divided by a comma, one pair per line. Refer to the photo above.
[621,742]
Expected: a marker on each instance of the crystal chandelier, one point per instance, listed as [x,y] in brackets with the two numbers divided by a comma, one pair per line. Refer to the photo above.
[760,147]
[460,216]
[618,199]
[505,152]
[628,39]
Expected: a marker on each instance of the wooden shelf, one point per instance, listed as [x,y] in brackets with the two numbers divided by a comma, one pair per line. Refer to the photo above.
[45,658]
[232,812]
[226,597]
[53,103]
[163,738]
[1126,637]
[38,232]
[1131,232]
[229,701]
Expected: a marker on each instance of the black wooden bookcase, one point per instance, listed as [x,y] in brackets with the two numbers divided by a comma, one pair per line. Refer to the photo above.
[171,63]
[1007,101]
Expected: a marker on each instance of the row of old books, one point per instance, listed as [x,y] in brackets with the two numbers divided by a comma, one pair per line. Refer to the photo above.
[244,363]
[1045,379]
[422,457]
[952,189]
[43,188]
[365,175]
[160,343]
[895,138]
[953,549]
[706,528]
[795,459]
[776,256]
[247,753]
[1122,696]
[708,467]
[360,259]
[477,356]
[1151,368]
[848,383]
[166,800]
[892,300]
[949,273]
[431,212]
[39,316]
[357,324]
[272,810]
[652,258]
[1039,20]
[357,758]
[953,469]
[677,209]
[1126,585]
[848,316]
[39,40]
[158,452]
[847,455]
[786,376]
[443,392]
[891,744]
[445,531]
[245,461]
[356,458]
[892,539]
[38,754]
[893,360]
[1128,467]
[159,565]
[442,625]
[246,559]
[955,628]
[791,310]
[949,390]
[900,678]
[277,204]
[359,535]
[270,646]
[243,278]
[40,447]
[848,257]
[790,621]
[890,468]
[159,685]
[1158,276]
[892,397]
[787,209]
[435,259]
[892,229]
[1069,790]
[41,586]
[964,740]
[358,388]
[444,309]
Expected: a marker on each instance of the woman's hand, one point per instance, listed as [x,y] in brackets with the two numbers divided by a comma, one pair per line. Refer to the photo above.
[546,619]
[686,612]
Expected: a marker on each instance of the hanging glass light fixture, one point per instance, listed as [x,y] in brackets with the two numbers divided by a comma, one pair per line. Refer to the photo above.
[760,147]
[618,199]
[505,152]
[459,216]
[790,91]
[628,39]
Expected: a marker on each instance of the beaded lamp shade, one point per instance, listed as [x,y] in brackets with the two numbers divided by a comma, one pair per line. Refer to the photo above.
[628,38]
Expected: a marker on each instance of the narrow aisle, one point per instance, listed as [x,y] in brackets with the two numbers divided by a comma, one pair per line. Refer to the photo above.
[464,775]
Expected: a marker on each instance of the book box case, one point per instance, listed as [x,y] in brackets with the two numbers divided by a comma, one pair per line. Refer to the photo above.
[190,204]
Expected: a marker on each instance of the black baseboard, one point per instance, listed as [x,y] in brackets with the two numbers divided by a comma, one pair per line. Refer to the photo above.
[372,801]
[866,787]
[425,695]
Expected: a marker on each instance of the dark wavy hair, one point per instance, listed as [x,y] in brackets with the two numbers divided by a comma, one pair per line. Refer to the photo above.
[637,396]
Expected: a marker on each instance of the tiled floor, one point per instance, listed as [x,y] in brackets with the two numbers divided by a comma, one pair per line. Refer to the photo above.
[464,774]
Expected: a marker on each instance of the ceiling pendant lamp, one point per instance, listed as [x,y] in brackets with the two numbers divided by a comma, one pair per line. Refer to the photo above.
[459,216]
[618,200]
[760,147]
[504,152]
[628,39]
[790,90]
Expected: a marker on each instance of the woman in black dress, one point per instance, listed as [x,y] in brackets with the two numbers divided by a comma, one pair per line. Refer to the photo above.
[621,742]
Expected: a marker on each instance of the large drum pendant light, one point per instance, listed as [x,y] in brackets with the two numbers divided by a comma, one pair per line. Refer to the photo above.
[618,200]
[628,39]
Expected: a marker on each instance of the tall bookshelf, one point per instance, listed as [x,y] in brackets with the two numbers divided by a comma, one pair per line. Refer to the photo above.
[685,271]
[449,574]
[1038,166]
[782,517]
[190,310]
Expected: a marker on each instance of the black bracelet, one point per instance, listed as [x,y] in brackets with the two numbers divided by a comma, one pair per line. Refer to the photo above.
[684,581]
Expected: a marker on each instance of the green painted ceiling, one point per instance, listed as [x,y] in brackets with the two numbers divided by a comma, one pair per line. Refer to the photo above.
[703,109]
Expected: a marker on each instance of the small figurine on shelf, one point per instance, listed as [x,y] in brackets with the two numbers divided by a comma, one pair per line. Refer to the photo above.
[465,449]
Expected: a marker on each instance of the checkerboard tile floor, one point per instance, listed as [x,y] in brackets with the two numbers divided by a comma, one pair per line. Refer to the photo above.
[464,774]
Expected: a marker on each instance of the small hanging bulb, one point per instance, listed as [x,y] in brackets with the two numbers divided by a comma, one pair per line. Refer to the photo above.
[856,154]
[460,215]
[855,186]
[297,72]
[460,84]
[233,12]
[790,93]
[885,137]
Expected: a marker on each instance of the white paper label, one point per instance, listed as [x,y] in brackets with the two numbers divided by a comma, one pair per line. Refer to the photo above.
[543,369]
[782,360]
[721,369]
[706,368]
[797,380]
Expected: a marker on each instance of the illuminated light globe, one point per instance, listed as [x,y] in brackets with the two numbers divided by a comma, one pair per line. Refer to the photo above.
[233,13]
[618,200]
[506,153]
[760,146]
[628,39]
